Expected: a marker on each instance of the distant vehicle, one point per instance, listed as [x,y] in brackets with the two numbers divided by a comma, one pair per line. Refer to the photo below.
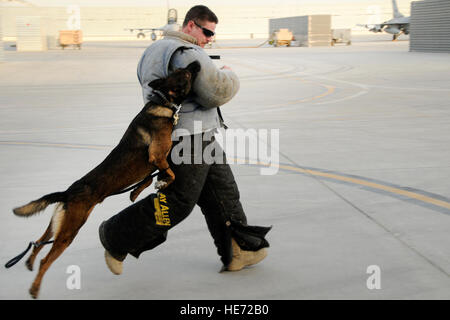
[281,37]
[341,36]
[396,26]
[172,25]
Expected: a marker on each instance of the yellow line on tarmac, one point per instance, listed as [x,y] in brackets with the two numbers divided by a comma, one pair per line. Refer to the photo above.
[330,89]
[361,182]
[398,191]
[409,194]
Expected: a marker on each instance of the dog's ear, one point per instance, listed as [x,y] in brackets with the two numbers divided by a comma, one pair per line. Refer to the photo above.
[156,84]
[194,67]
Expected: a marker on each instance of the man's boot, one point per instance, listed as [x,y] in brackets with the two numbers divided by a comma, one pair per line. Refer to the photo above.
[114,265]
[244,258]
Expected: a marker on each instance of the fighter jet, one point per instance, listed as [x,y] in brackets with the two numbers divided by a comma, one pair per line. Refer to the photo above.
[171,25]
[396,26]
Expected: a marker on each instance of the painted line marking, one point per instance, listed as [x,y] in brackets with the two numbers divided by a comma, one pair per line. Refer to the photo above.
[409,194]
[329,89]
[56,145]
[333,176]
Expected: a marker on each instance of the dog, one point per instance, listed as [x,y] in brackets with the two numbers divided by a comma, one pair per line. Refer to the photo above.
[142,150]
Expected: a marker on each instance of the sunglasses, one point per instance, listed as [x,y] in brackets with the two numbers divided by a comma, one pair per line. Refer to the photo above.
[208,33]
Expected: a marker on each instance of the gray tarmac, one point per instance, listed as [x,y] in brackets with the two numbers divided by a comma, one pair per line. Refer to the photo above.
[363,175]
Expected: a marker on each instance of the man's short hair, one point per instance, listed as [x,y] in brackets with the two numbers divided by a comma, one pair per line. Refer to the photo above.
[200,13]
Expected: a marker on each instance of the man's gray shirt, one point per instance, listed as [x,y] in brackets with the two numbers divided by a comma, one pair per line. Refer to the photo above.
[213,87]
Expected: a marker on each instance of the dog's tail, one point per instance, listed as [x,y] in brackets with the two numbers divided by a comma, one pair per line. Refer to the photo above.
[39,204]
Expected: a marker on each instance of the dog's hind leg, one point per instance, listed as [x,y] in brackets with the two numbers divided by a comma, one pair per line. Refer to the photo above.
[71,221]
[60,244]
[45,237]
[54,225]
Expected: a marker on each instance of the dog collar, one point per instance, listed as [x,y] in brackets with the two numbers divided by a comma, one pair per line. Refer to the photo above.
[166,103]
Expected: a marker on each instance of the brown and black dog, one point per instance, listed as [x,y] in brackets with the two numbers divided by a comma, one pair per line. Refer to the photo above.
[142,150]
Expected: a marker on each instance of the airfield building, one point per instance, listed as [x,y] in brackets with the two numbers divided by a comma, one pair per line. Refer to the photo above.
[429,27]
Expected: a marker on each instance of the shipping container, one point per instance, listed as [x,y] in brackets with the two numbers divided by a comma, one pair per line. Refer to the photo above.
[429,26]
[308,31]
[30,34]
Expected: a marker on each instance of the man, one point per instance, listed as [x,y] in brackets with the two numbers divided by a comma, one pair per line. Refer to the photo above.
[145,224]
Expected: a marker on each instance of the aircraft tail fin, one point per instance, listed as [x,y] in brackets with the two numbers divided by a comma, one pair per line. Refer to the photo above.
[397,13]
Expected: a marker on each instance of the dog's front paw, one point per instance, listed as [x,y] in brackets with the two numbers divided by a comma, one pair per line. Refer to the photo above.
[133,195]
[160,185]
